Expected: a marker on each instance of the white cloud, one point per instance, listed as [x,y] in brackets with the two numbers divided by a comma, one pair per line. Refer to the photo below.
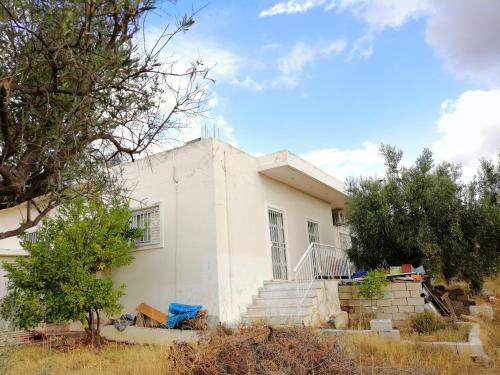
[301,54]
[465,35]
[469,129]
[362,46]
[291,64]
[363,161]
[292,7]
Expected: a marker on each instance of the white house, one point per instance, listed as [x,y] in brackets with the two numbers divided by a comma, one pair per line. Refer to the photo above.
[222,224]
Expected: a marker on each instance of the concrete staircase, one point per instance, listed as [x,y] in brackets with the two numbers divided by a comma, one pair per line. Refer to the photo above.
[277,303]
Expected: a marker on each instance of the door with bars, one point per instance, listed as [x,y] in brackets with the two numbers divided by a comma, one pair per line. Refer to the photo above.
[278,245]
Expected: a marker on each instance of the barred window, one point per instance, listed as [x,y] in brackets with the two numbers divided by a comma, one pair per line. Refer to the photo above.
[31,236]
[147,219]
[345,241]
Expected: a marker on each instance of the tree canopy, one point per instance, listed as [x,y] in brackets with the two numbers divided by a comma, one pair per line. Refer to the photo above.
[64,276]
[80,84]
[424,214]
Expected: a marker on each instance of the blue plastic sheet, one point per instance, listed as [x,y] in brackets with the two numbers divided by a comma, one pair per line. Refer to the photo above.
[358,274]
[178,312]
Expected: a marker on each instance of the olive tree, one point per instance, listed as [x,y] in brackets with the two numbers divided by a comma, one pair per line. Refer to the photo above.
[79,85]
[425,214]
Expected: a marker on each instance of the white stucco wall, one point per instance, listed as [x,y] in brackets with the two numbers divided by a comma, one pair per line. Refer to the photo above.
[214,245]
[183,268]
[243,197]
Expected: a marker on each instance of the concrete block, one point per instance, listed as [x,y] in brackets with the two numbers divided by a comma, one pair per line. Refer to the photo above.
[400,316]
[485,311]
[141,335]
[416,301]
[401,294]
[341,320]
[419,309]
[401,324]
[346,288]
[393,335]
[384,302]
[414,286]
[389,294]
[398,286]
[415,293]
[381,325]
[399,302]
[380,315]
[406,309]
[390,309]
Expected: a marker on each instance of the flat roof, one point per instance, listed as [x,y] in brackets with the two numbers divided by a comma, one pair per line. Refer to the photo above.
[294,171]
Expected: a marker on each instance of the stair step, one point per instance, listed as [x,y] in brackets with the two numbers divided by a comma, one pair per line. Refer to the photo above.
[290,285]
[288,293]
[274,319]
[278,310]
[272,301]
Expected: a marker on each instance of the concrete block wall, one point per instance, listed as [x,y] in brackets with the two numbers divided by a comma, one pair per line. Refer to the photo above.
[400,301]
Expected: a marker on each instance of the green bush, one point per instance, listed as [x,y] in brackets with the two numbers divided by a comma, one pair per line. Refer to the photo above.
[373,284]
[427,322]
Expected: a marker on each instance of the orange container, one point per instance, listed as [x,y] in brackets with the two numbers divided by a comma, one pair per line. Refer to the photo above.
[406,268]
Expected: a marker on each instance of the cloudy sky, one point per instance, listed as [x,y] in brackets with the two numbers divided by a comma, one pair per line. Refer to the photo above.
[332,79]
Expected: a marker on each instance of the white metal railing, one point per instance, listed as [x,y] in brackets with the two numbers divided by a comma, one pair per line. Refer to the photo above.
[319,262]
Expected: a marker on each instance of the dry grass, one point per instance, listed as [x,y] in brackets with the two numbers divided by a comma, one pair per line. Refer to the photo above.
[112,359]
[452,333]
[368,354]
[372,350]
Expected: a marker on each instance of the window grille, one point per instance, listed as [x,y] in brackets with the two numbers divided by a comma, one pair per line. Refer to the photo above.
[313,231]
[147,219]
[345,241]
[31,236]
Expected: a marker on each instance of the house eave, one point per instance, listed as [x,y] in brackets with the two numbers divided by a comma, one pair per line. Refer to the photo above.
[291,170]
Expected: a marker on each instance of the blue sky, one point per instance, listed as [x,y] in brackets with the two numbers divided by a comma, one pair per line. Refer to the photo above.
[331,79]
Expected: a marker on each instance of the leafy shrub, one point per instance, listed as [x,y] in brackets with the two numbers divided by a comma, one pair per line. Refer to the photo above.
[372,286]
[426,322]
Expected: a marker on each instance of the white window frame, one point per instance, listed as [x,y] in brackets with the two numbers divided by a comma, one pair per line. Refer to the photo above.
[338,216]
[153,234]
[312,221]
[31,235]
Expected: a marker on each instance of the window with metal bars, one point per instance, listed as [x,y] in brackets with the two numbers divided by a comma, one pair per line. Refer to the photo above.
[345,241]
[313,231]
[31,236]
[147,219]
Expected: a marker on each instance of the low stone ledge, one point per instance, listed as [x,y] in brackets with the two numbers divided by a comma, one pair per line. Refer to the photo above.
[473,347]
[142,335]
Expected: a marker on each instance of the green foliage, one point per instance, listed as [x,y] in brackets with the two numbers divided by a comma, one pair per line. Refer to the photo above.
[81,87]
[64,276]
[425,215]
[427,322]
[373,284]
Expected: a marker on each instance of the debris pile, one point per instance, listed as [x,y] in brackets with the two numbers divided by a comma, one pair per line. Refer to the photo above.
[184,317]
[199,322]
[259,349]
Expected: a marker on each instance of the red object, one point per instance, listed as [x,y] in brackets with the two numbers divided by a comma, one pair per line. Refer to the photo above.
[430,338]
[406,268]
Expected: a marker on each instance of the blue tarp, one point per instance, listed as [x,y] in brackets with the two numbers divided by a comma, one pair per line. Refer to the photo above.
[178,312]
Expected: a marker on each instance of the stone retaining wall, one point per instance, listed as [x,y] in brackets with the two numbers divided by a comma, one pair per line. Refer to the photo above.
[400,301]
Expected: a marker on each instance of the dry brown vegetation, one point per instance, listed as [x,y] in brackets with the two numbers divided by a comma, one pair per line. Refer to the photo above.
[293,351]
